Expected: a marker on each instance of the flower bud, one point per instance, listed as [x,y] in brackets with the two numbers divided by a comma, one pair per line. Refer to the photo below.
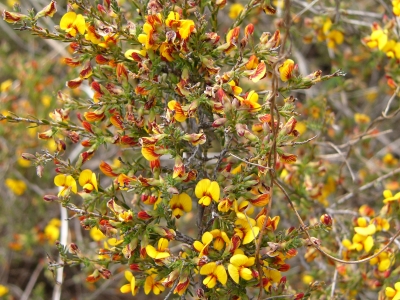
[39,170]
[326,220]
[143,215]
[13,17]
[50,198]
[47,11]
[28,156]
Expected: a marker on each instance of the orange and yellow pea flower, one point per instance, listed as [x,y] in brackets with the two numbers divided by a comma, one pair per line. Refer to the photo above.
[73,23]
[214,272]
[179,204]
[67,183]
[180,114]
[161,252]
[207,190]
[87,179]
[251,101]
[286,70]
[131,286]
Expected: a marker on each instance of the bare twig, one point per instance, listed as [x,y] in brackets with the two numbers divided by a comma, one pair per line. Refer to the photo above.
[385,112]
[345,160]
[365,187]
[298,143]
[250,163]
[32,280]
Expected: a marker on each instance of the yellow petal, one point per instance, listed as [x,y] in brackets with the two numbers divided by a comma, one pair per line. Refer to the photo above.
[384,265]
[85,177]
[390,292]
[94,181]
[67,20]
[368,244]
[162,244]
[80,24]
[369,230]
[251,235]
[234,273]
[246,274]
[202,187]
[128,276]
[186,202]
[210,281]
[151,251]
[59,180]
[214,190]
[126,288]
[238,260]
[207,238]
[220,272]
[208,268]
[186,28]
[198,246]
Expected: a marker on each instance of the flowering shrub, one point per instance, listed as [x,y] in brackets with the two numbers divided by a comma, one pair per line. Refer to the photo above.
[196,175]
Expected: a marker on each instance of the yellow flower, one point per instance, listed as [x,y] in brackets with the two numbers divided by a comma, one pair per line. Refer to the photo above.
[96,234]
[251,101]
[214,272]
[67,182]
[378,38]
[3,290]
[361,118]
[390,160]
[131,286]
[52,230]
[152,284]
[384,260]
[334,37]
[235,10]
[238,267]
[393,294]
[307,279]
[202,246]
[286,70]
[5,86]
[179,204]
[87,179]
[207,190]
[18,187]
[389,196]
[381,224]
[246,230]
[220,239]
[73,23]
[161,252]
[186,27]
